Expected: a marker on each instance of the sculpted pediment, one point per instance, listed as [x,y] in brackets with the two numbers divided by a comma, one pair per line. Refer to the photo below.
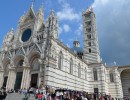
[8,55]
[35,47]
[30,16]
[20,51]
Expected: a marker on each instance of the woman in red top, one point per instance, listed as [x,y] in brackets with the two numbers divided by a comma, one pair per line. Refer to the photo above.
[40,96]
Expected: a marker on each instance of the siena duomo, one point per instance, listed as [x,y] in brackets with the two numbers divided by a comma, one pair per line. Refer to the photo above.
[34,54]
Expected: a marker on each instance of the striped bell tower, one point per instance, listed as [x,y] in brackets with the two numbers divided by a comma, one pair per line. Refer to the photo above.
[90,38]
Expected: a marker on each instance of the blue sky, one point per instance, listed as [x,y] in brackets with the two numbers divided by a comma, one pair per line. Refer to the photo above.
[113,19]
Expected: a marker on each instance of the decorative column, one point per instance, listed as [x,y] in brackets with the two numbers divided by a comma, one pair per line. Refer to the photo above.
[11,78]
[1,77]
[26,75]
[28,78]
[42,72]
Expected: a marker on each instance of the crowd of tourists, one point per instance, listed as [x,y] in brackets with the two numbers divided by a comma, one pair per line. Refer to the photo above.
[3,94]
[47,93]
[62,94]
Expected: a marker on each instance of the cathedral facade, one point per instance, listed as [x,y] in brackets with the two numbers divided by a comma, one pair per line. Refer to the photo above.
[33,55]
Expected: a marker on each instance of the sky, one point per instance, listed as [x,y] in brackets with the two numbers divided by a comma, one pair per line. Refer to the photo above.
[112,16]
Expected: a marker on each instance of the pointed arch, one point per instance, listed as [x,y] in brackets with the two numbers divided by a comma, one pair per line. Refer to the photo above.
[18,60]
[33,58]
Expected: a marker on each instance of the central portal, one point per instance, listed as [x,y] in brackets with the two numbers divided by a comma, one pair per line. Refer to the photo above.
[18,80]
[34,79]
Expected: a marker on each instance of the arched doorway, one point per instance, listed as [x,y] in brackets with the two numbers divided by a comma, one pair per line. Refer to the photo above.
[19,71]
[35,68]
[125,79]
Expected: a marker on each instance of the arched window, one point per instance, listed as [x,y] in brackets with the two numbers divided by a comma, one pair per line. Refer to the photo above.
[71,66]
[95,74]
[85,73]
[60,60]
[79,71]
[111,77]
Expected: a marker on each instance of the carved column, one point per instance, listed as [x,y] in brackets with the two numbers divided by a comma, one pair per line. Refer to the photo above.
[26,78]
[1,77]
[26,75]
[11,78]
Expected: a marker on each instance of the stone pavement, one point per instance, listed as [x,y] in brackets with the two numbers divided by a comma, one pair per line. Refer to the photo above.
[16,96]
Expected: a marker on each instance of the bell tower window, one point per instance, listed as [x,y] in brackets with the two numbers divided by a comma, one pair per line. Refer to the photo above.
[89,43]
[89,50]
[89,36]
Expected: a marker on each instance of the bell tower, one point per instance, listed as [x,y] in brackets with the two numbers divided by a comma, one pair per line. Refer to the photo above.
[90,37]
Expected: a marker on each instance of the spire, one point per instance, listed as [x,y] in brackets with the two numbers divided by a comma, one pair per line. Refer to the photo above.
[52,13]
[12,31]
[40,13]
[40,19]
[32,3]
[30,14]
[90,9]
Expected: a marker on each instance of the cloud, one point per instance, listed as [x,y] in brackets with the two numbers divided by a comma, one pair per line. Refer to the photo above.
[64,28]
[67,12]
[79,31]
[113,21]
[60,30]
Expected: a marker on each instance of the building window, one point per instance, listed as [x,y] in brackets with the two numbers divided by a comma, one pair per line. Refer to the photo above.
[111,77]
[89,36]
[79,71]
[90,50]
[88,29]
[71,66]
[87,16]
[60,60]
[89,43]
[88,23]
[95,74]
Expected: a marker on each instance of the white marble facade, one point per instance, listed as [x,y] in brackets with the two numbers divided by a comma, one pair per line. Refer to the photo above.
[33,54]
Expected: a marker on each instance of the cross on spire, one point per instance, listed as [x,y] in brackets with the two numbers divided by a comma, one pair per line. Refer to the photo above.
[33,2]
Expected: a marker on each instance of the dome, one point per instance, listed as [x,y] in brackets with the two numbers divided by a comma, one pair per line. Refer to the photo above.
[77,49]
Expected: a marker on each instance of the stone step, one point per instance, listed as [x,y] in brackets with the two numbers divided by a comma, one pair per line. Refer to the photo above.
[17,96]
